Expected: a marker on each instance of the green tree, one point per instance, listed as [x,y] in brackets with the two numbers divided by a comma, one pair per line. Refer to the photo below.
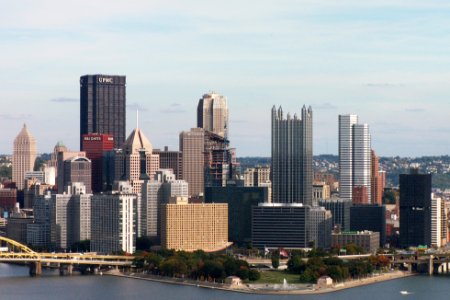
[275,259]
[253,275]
[296,264]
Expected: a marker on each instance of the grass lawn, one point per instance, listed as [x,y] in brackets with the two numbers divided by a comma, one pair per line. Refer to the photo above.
[276,276]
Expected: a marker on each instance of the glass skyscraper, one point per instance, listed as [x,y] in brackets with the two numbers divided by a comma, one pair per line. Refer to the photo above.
[292,173]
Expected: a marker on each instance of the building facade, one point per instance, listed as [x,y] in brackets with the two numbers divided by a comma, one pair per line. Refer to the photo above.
[114,222]
[96,145]
[170,160]
[24,156]
[369,217]
[415,209]
[240,201]
[192,145]
[340,210]
[191,227]
[292,173]
[103,106]
[354,157]
[369,241]
[212,114]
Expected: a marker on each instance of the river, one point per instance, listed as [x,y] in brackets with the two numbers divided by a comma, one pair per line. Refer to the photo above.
[16,284]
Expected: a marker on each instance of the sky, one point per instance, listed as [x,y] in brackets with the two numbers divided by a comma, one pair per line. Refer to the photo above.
[388,61]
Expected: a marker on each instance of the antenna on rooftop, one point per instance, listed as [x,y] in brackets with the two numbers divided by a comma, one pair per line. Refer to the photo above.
[137,118]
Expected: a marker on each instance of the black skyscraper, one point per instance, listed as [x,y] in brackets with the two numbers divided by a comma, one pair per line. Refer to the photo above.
[415,209]
[102,106]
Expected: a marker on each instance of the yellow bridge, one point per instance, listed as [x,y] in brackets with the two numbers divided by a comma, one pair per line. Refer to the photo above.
[19,253]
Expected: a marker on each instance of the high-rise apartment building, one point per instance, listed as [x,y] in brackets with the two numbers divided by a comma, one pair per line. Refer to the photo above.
[439,227]
[212,114]
[114,221]
[354,157]
[24,156]
[292,173]
[96,145]
[155,193]
[103,106]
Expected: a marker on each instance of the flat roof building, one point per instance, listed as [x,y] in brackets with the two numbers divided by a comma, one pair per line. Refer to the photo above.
[191,227]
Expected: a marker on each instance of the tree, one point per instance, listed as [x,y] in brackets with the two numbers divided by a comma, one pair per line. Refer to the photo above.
[275,259]
[253,275]
[296,264]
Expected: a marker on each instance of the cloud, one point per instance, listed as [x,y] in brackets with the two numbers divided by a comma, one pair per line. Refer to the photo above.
[64,100]
[325,106]
[415,109]
[136,106]
[385,84]
[173,108]
[15,116]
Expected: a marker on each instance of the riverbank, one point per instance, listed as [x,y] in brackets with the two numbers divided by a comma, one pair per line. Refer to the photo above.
[300,289]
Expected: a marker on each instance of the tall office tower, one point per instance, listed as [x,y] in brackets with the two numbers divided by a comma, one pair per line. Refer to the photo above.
[415,209]
[103,106]
[114,221]
[212,114]
[24,155]
[292,173]
[96,145]
[354,156]
[77,169]
[377,187]
[192,145]
[170,160]
[128,162]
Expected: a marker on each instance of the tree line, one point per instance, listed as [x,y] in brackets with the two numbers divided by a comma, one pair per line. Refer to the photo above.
[197,265]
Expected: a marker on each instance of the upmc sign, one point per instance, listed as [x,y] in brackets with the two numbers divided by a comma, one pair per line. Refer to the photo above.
[105,80]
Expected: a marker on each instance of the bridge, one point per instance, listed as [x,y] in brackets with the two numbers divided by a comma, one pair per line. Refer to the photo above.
[19,253]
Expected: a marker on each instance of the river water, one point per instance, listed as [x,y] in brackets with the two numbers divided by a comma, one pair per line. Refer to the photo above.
[16,284]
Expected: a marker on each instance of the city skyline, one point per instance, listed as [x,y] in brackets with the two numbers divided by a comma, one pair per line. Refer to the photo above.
[382,60]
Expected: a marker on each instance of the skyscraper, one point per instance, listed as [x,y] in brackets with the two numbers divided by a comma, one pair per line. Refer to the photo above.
[103,106]
[192,145]
[212,114]
[377,187]
[24,156]
[128,162]
[292,174]
[415,209]
[354,157]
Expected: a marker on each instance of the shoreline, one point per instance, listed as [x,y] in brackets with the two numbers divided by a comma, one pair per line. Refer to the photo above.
[247,288]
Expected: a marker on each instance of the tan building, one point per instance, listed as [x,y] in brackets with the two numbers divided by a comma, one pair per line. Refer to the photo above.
[258,176]
[128,162]
[321,190]
[369,241]
[24,156]
[191,227]
[212,114]
[377,186]
[192,145]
